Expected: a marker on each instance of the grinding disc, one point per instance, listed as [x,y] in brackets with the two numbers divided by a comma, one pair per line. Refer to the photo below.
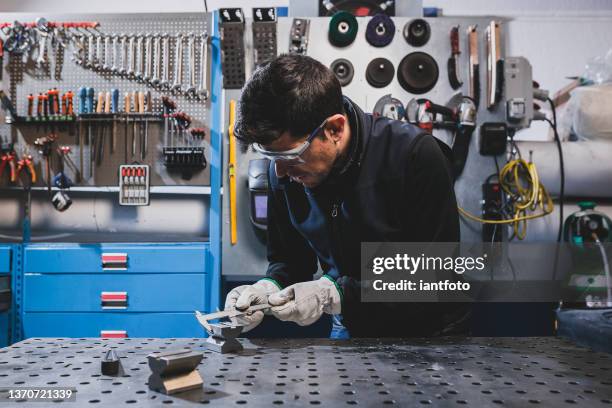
[380,30]
[389,107]
[418,73]
[344,71]
[379,72]
[342,29]
[417,32]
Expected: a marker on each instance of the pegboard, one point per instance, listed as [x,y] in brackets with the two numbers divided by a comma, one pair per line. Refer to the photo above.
[24,77]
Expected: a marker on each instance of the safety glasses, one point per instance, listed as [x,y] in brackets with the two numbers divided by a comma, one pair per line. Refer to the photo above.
[292,155]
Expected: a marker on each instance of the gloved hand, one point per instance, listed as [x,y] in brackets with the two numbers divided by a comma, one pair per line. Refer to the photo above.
[305,302]
[242,297]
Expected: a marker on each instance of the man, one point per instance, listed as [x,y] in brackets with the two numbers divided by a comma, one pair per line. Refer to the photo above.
[339,177]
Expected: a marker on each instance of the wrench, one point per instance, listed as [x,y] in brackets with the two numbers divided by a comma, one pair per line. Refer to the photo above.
[114,68]
[106,65]
[148,56]
[202,91]
[138,59]
[98,60]
[43,29]
[124,53]
[178,63]
[90,51]
[165,80]
[158,64]
[131,66]
[192,64]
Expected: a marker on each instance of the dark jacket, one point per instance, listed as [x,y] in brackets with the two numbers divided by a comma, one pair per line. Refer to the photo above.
[396,186]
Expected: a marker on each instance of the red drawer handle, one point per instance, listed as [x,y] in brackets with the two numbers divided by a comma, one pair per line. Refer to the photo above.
[113,334]
[114,261]
[114,300]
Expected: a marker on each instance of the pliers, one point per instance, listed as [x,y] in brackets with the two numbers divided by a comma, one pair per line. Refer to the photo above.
[27,163]
[9,158]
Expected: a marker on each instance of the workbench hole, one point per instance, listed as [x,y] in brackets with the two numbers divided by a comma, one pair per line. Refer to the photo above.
[315,402]
[167,402]
[606,401]
[278,402]
[425,402]
[241,402]
[279,392]
[106,391]
[570,401]
[462,402]
[417,392]
[130,401]
[389,402]
[534,401]
[94,401]
[589,391]
[245,392]
[313,392]
[499,402]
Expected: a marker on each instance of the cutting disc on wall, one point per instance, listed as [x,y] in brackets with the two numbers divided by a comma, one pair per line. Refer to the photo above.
[380,30]
[380,72]
[344,70]
[418,72]
[342,29]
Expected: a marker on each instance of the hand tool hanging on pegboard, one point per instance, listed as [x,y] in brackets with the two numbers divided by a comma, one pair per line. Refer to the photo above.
[264,35]
[474,65]
[298,36]
[8,158]
[495,64]
[453,61]
[380,30]
[231,27]
[342,29]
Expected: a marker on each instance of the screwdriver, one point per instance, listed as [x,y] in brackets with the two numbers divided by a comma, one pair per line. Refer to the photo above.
[30,104]
[114,109]
[127,103]
[82,109]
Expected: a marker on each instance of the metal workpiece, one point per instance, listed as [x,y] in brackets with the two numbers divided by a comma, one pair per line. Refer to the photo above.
[477,372]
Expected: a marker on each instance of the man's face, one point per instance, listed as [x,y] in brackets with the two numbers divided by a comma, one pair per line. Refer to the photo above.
[318,159]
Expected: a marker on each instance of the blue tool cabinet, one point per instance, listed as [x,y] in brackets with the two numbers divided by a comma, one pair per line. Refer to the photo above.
[6,261]
[70,289]
[160,285]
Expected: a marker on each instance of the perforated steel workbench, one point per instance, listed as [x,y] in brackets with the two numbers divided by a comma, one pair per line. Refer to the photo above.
[477,372]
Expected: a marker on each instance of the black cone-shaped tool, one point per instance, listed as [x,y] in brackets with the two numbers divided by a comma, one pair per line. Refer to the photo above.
[111,364]
[418,73]
[380,72]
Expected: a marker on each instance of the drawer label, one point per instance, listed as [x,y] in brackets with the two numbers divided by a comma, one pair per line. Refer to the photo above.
[113,300]
[113,334]
[114,261]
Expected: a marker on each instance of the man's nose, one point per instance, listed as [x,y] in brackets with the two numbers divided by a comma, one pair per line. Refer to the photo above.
[280,168]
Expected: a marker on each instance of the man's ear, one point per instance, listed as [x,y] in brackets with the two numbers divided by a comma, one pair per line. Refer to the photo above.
[336,126]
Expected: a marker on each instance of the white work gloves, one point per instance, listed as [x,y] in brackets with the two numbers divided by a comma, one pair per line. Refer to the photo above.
[305,302]
[242,297]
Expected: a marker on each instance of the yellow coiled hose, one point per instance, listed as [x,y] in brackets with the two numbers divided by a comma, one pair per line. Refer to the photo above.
[520,181]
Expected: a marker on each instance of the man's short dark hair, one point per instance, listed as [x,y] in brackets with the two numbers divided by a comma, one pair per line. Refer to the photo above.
[292,93]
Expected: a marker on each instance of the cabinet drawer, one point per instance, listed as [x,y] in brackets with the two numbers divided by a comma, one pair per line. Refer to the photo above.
[113,323]
[100,258]
[174,292]
[5,259]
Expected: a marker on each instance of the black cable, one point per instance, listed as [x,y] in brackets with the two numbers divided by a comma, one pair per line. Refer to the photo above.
[553,124]
[205,6]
